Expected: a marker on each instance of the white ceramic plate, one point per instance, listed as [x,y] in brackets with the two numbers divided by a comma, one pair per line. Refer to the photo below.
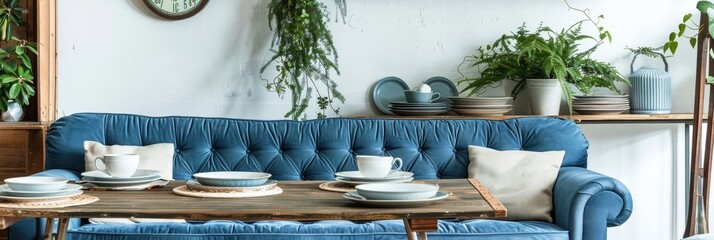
[140,174]
[36,183]
[195,185]
[356,176]
[482,106]
[481,112]
[602,96]
[599,112]
[63,191]
[355,197]
[5,195]
[418,112]
[118,183]
[397,191]
[355,183]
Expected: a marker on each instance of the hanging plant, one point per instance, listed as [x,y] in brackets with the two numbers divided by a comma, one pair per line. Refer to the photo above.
[304,55]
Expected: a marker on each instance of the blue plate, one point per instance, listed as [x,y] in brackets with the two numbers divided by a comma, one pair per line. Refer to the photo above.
[443,86]
[387,90]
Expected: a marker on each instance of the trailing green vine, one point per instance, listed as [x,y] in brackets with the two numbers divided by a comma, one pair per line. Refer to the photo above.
[304,56]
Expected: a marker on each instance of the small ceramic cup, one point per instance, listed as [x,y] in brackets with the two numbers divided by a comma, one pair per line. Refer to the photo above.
[420,97]
[118,165]
[377,166]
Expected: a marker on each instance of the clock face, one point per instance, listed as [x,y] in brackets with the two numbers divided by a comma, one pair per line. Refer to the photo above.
[175,9]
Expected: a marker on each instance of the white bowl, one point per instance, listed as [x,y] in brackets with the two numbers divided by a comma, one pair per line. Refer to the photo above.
[397,191]
[232,178]
[36,183]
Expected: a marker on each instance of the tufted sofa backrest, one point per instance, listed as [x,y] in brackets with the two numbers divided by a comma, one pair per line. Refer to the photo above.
[314,149]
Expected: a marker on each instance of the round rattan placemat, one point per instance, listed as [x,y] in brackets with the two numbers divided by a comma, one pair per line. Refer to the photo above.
[55,203]
[185,191]
[335,186]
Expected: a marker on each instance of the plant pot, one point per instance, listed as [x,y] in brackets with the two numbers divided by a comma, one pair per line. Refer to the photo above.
[545,97]
[14,113]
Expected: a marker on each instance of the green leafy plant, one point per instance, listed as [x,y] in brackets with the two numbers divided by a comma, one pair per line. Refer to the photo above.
[16,77]
[544,53]
[304,55]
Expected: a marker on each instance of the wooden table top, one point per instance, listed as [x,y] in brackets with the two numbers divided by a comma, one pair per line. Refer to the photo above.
[300,200]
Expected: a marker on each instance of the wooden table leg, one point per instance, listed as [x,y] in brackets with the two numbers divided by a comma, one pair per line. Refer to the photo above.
[407,226]
[62,228]
[412,226]
[49,226]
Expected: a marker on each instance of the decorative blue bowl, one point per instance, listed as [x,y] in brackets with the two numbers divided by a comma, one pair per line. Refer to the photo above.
[232,178]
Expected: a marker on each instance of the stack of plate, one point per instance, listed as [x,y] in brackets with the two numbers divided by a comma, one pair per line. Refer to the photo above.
[355,178]
[418,109]
[482,106]
[36,188]
[603,104]
[396,194]
[101,179]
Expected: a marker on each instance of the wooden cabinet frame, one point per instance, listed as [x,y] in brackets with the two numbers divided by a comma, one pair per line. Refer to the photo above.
[47,60]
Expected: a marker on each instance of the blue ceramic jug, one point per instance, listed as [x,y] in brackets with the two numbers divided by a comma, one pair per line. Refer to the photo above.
[651,91]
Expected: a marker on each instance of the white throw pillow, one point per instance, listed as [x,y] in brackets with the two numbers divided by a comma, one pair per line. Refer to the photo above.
[522,180]
[158,157]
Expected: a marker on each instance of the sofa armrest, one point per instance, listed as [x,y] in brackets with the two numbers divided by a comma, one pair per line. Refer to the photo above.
[33,228]
[586,203]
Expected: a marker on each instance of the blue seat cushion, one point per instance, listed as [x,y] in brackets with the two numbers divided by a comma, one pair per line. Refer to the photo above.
[328,229]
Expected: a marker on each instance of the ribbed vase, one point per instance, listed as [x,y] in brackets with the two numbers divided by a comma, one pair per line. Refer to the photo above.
[651,91]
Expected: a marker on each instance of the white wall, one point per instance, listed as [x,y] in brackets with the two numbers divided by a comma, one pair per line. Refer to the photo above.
[116,56]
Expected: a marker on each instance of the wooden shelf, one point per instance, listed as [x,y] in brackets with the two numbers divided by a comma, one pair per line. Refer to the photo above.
[624,118]
[23,126]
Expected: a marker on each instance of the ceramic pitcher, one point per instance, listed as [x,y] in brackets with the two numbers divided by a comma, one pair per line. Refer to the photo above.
[651,91]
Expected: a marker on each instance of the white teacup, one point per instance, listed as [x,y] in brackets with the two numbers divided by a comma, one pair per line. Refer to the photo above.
[118,165]
[377,166]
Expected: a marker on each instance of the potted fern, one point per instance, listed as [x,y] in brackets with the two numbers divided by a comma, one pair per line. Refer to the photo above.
[16,77]
[542,54]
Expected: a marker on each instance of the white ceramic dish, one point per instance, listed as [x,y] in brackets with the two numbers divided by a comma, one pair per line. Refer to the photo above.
[68,188]
[140,174]
[101,183]
[602,96]
[36,183]
[195,185]
[355,183]
[397,191]
[356,176]
[355,197]
[232,178]
[5,195]
[481,112]
[482,106]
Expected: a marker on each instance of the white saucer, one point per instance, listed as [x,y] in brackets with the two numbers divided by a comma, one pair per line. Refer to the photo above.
[118,183]
[140,174]
[355,197]
[356,176]
[5,195]
[69,187]
[193,184]
[355,183]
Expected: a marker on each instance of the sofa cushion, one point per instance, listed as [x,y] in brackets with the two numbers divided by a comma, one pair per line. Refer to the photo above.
[329,229]
[158,156]
[522,180]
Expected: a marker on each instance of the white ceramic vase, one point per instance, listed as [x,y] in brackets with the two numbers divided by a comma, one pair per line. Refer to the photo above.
[545,95]
[14,113]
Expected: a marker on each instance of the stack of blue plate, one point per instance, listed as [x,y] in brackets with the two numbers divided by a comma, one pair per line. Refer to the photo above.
[418,109]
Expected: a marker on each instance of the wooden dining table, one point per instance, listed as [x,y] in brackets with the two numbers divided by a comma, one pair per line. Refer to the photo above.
[300,201]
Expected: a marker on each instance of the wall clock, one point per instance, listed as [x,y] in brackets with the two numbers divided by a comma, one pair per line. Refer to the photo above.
[175,9]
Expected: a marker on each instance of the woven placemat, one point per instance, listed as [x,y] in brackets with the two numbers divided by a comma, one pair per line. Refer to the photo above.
[185,191]
[59,203]
[335,186]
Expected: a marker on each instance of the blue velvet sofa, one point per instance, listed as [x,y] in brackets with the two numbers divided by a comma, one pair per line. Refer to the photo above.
[585,202]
